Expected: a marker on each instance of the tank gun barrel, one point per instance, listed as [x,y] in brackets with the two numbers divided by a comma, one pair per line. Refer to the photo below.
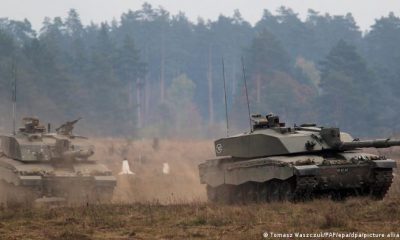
[377,143]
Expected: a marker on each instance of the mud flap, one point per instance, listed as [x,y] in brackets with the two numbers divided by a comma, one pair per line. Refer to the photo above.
[105,181]
[30,181]
[306,170]
[388,163]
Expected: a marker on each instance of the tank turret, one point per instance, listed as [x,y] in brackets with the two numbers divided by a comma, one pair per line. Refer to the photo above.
[277,162]
[49,164]
[33,144]
[270,137]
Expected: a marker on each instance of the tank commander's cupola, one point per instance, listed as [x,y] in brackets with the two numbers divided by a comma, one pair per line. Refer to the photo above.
[31,125]
[269,121]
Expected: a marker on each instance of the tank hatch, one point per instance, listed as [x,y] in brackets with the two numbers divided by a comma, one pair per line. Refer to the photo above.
[32,143]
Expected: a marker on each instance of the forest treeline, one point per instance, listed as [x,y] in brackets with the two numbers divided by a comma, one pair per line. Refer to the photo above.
[151,73]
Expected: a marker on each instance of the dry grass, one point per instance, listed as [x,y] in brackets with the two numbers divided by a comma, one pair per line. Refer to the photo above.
[150,205]
[197,220]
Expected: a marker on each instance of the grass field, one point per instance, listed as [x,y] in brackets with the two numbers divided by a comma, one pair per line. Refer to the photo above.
[198,220]
[152,205]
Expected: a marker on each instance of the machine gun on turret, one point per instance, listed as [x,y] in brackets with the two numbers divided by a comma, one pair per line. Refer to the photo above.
[66,128]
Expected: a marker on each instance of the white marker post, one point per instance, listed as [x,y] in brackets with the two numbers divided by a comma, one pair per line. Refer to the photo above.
[126,170]
[166,168]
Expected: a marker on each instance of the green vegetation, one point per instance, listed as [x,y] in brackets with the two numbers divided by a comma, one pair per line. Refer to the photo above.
[121,75]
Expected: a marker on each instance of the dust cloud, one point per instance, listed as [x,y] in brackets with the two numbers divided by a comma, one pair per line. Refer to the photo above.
[148,159]
[150,184]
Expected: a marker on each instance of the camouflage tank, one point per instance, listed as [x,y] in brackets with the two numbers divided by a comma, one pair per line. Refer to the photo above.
[274,162]
[37,165]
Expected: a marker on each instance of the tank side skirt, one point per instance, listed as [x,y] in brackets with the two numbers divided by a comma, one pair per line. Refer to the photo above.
[88,188]
[259,174]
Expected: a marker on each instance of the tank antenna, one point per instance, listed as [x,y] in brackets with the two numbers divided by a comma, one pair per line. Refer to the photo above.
[247,95]
[14,94]
[226,102]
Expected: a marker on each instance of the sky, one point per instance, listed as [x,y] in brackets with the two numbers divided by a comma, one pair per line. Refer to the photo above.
[364,11]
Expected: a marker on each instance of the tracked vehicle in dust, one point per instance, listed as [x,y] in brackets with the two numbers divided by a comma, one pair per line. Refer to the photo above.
[274,162]
[38,165]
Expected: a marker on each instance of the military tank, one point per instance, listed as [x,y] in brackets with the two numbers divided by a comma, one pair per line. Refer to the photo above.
[37,165]
[273,162]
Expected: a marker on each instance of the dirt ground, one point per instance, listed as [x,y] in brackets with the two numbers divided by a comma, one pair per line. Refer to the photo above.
[154,205]
[146,159]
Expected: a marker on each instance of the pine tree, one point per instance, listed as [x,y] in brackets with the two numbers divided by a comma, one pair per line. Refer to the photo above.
[272,87]
[349,90]
[265,56]
[131,71]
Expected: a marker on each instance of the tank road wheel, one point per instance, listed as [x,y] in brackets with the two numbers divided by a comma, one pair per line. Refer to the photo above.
[220,194]
[3,194]
[12,195]
[86,195]
[361,192]
[246,193]
[104,194]
[337,195]
[211,193]
[272,188]
[286,191]
[304,189]
[225,193]
[383,180]
[262,192]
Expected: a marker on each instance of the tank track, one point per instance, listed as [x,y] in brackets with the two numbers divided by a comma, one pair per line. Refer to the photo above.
[305,186]
[12,195]
[298,189]
[383,181]
[16,195]
[301,188]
